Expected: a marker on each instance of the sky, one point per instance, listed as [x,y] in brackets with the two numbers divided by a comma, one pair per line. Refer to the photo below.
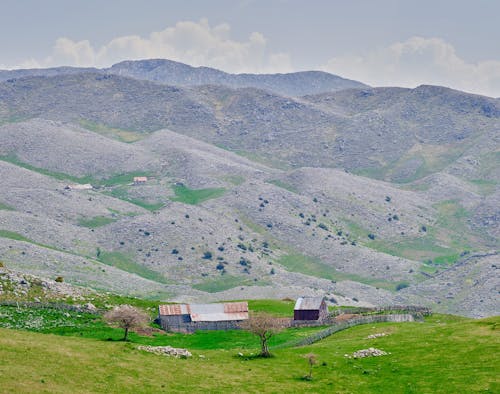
[454,43]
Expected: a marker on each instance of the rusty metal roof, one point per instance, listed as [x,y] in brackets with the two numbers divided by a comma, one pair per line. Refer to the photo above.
[308,303]
[235,307]
[208,312]
[173,309]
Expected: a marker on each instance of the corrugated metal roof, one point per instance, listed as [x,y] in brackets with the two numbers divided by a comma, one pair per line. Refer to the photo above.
[208,312]
[219,316]
[174,309]
[308,303]
[235,307]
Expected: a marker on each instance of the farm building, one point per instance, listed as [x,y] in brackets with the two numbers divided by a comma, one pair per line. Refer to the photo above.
[192,317]
[140,180]
[310,308]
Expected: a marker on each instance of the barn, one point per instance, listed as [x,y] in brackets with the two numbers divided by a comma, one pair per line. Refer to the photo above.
[310,308]
[192,317]
[140,180]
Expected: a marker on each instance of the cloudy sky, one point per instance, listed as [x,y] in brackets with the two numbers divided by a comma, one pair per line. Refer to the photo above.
[454,43]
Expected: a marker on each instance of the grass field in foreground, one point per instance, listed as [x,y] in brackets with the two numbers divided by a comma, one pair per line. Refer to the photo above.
[443,355]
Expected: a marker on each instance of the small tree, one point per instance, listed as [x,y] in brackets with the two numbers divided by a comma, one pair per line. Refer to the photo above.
[312,360]
[264,326]
[126,317]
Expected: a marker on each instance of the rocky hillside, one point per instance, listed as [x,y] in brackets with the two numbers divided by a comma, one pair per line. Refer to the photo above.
[370,196]
[414,133]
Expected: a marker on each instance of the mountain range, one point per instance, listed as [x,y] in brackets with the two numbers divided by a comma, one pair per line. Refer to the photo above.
[258,185]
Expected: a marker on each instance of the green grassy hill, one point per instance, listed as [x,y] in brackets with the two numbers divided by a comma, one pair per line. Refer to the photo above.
[445,354]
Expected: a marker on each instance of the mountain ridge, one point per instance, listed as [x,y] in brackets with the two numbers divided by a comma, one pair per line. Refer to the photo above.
[170,72]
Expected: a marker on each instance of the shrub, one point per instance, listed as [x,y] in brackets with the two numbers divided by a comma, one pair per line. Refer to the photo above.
[371,236]
[387,198]
[1,264]
[207,255]
[59,279]
[174,251]
[401,286]
[423,229]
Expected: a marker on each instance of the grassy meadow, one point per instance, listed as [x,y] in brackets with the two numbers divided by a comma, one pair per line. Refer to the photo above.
[83,355]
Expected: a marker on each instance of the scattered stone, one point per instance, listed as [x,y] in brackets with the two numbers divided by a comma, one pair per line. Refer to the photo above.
[370,352]
[373,336]
[166,351]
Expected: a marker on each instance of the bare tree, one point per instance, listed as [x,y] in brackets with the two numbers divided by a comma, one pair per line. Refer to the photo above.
[312,360]
[264,326]
[126,317]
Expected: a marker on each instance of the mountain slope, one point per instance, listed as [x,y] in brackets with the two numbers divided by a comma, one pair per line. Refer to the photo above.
[415,133]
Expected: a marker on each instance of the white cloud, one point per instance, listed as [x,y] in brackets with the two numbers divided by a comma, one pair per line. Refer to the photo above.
[418,61]
[195,43]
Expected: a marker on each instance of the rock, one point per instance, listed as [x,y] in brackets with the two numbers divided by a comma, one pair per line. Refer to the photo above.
[370,352]
[373,336]
[166,351]
[90,307]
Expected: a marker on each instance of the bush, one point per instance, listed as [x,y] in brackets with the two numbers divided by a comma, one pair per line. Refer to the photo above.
[371,236]
[1,264]
[401,286]
[59,279]
[207,255]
